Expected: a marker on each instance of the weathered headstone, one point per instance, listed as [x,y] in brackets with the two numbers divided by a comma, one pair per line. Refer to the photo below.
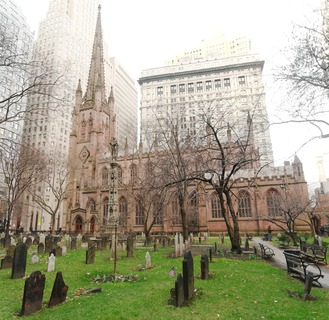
[188,275]
[48,244]
[90,254]
[73,244]
[59,292]
[19,261]
[41,248]
[204,267]
[35,242]
[147,260]
[178,292]
[7,242]
[34,258]
[33,293]
[64,251]
[7,261]
[51,263]
[42,239]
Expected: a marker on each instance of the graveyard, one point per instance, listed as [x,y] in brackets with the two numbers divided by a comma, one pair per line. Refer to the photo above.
[95,286]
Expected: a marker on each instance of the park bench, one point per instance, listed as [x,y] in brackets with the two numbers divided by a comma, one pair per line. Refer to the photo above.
[297,265]
[266,252]
[313,252]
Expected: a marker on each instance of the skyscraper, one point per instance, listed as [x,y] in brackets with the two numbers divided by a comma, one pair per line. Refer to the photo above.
[219,82]
[15,49]
[64,44]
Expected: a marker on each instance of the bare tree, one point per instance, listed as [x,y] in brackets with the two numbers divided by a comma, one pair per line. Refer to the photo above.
[292,207]
[22,168]
[52,189]
[304,76]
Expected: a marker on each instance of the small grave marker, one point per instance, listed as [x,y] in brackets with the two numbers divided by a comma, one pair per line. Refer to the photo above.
[59,292]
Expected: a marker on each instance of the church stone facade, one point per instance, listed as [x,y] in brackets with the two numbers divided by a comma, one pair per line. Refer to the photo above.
[106,190]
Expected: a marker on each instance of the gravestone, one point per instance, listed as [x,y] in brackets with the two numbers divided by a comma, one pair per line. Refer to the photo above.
[33,293]
[28,242]
[210,254]
[7,261]
[41,248]
[7,242]
[147,260]
[178,292]
[42,239]
[79,241]
[188,275]
[58,251]
[64,251]
[59,292]
[204,267]
[34,258]
[48,244]
[90,254]
[51,263]
[19,261]
[320,241]
[73,244]
[246,245]
[154,246]
[35,242]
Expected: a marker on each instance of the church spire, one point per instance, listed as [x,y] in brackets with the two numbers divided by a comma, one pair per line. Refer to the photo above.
[96,81]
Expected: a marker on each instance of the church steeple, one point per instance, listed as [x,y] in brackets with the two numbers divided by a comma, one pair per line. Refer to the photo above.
[96,82]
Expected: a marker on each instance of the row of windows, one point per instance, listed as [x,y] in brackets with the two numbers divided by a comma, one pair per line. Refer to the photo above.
[200,86]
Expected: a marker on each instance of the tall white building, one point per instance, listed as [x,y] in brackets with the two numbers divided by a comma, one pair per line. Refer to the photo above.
[185,91]
[15,51]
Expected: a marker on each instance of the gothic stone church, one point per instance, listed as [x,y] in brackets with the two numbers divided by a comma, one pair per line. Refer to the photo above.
[106,189]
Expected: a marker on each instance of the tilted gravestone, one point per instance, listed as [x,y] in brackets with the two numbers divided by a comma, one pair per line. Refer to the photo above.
[33,293]
[204,267]
[19,261]
[41,248]
[188,275]
[59,292]
[90,254]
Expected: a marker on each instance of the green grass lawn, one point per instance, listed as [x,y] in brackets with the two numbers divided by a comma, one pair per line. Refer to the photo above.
[237,289]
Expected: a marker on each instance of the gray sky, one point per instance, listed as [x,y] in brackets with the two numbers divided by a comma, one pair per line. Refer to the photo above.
[143,34]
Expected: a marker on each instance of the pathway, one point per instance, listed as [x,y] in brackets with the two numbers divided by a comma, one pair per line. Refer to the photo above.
[280,260]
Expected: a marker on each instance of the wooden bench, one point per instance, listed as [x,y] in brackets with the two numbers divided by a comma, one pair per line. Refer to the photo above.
[313,252]
[297,265]
[266,252]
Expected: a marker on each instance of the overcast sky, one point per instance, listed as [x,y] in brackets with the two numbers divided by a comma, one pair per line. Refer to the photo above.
[142,34]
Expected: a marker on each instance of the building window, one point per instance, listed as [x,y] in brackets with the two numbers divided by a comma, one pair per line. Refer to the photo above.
[123,211]
[193,216]
[199,86]
[208,85]
[105,211]
[181,88]
[273,200]
[173,89]
[159,91]
[139,213]
[216,211]
[91,205]
[105,177]
[244,204]
[176,217]
[227,83]
[190,87]
[158,210]
[83,130]
[133,173]
[242,81]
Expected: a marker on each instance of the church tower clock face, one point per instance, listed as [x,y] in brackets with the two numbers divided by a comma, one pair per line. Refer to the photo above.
[84,154]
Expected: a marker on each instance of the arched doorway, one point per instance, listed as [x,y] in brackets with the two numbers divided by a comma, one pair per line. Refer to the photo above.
[92,225]
[78,224]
